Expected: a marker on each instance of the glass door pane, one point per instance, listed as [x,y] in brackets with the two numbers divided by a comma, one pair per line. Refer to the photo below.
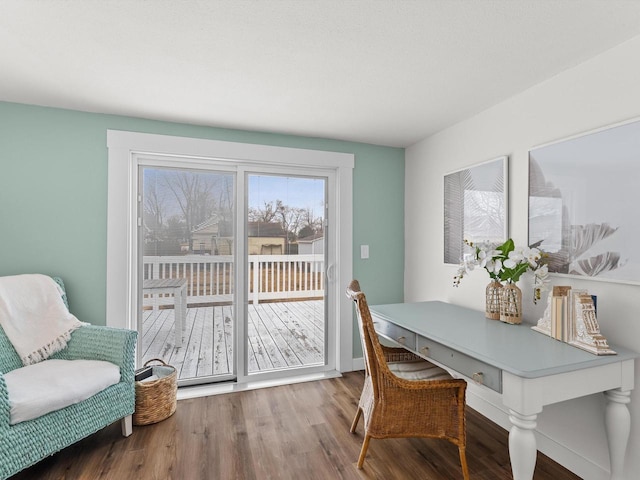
[187,315]
[286,322]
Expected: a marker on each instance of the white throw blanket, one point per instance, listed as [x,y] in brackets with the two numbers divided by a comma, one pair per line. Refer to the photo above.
[34,316]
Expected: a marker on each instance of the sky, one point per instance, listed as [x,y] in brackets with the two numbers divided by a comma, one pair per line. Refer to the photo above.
[300,192]
[296,192]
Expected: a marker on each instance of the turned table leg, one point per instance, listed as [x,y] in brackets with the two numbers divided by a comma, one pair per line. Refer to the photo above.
[522,445]
[618,425]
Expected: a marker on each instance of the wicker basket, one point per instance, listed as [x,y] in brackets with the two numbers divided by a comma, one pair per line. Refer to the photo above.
[156,400]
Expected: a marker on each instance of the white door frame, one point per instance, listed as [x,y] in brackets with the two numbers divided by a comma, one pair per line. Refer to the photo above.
[122,217]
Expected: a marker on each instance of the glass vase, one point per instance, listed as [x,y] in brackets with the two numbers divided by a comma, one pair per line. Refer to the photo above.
[511,304]
[492,300]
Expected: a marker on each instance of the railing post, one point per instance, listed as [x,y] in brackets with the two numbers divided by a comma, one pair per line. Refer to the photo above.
[156,268]
[256,279]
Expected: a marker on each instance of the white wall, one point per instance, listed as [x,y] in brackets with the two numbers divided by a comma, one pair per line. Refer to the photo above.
[602,91]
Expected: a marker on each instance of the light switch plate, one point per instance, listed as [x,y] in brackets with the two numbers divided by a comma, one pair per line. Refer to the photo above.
[364,251]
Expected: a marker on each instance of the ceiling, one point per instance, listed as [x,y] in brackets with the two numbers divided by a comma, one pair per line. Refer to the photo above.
[386,72]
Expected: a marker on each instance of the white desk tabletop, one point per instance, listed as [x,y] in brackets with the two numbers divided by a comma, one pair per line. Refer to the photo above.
[513,348]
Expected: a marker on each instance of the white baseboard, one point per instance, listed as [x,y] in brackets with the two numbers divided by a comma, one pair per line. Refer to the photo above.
[358,364]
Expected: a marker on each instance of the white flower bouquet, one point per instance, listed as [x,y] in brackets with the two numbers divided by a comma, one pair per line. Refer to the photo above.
[505,263]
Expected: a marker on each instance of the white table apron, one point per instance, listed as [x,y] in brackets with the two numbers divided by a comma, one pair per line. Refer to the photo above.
[177,287]
[455,337]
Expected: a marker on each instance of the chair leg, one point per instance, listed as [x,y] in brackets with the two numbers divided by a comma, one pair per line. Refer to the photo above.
[363,452]
[463,463]
[127,425]
[355,420]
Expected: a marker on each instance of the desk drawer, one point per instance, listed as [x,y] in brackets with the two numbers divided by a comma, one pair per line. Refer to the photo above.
[478,371]
[393,332]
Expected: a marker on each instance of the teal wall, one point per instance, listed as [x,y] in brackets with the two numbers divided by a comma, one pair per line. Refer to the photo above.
[53,199]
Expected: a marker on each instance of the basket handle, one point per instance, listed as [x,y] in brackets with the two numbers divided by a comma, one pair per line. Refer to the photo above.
[156,360]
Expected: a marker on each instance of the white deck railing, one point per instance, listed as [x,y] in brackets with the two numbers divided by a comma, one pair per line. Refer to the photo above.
[211,277]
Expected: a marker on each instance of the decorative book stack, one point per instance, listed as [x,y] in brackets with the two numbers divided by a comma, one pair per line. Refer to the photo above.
[560,324]
[570,317]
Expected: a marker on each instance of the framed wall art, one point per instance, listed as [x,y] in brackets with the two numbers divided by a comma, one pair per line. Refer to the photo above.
[475,206]
[584,195]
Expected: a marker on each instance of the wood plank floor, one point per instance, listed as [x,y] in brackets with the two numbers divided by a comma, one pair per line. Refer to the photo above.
[281,335]
[292,432]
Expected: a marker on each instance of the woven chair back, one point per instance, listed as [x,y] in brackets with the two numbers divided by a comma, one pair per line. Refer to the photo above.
[373,354]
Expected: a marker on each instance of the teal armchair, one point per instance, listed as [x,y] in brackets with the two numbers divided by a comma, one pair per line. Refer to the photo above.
[26,443]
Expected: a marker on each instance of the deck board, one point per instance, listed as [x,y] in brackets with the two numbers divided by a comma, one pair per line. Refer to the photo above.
[280,335]
[309,335]
[194,344]
[257,353]
[160,327]
[205,357]
[176,355]
[271,331]
[220,353]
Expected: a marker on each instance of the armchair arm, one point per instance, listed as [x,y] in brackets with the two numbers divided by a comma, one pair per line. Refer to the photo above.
[5,409]
[93,342]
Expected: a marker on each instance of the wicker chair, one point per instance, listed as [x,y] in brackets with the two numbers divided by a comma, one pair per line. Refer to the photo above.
[397,407]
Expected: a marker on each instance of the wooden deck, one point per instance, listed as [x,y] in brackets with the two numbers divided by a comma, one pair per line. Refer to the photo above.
[281,335]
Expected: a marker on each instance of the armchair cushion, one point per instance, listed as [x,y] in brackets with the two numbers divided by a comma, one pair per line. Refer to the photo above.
[51,385]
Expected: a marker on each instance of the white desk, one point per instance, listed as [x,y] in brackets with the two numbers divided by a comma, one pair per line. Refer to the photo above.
[178,287]
[529,369]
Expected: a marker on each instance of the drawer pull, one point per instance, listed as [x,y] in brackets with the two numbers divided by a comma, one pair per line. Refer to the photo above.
[401,340]
[478,377]
[425,350]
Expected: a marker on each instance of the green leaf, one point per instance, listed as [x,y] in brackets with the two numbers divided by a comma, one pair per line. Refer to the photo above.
[507,247]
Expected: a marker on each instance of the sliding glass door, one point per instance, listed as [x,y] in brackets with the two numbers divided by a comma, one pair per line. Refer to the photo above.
[286,245]
[208,315]
[187,312]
